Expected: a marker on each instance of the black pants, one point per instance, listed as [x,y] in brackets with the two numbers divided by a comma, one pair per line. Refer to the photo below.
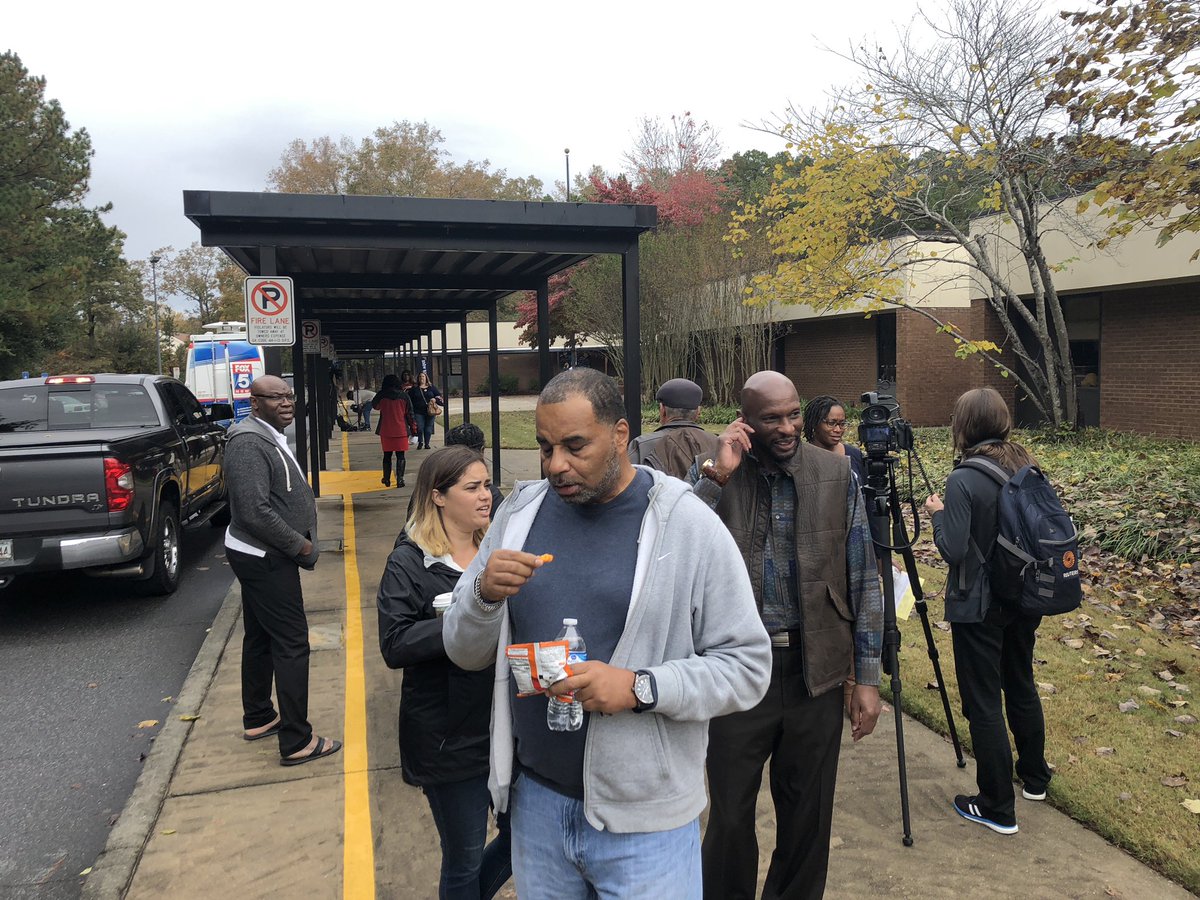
[275,646]
[802,737]
[990,657]
[471,867]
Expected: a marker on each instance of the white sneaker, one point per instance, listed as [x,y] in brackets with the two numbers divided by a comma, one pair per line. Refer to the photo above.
[1030,795]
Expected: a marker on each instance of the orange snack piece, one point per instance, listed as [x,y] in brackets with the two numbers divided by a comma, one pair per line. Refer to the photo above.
[547,557]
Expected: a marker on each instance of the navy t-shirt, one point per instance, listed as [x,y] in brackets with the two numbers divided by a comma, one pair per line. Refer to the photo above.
[591,579]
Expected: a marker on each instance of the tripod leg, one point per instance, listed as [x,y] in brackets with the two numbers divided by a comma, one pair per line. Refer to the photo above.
[891,665]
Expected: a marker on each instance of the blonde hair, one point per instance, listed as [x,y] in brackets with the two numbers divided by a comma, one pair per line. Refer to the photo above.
[439,472]
[982,415]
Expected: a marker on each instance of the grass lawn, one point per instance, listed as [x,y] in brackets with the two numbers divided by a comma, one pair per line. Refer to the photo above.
[1137,637]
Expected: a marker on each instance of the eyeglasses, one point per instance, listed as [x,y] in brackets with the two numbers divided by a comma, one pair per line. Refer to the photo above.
[835,423]
[278,398]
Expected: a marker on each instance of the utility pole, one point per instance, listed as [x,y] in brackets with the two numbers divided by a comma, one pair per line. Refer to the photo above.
[154,260]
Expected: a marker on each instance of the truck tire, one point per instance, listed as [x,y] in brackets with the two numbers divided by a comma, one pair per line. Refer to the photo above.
[166,552]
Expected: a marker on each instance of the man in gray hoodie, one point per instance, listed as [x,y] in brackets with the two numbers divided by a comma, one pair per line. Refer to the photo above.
[673,639]
[272,532]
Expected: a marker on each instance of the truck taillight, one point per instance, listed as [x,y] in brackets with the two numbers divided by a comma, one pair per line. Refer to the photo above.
[118,482]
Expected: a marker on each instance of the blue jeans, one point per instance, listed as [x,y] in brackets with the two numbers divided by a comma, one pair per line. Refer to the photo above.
[425,425]
[558,855]
[470,871]
[366,414]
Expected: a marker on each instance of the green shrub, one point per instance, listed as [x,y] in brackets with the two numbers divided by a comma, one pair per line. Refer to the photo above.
[508,385]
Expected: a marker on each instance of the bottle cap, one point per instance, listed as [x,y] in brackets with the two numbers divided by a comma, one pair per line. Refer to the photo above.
[570,621]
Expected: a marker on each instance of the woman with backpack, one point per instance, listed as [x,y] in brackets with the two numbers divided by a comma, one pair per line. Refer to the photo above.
[993,639]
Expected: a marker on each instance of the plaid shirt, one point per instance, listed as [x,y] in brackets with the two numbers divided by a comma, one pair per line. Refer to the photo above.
[780,602]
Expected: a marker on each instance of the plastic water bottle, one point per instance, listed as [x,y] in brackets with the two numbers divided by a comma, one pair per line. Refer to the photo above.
[563,713]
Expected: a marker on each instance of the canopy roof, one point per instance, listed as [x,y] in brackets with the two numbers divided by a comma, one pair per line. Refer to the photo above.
[381,271]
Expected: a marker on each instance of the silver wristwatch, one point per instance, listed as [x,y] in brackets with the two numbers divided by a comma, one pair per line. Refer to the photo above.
[643,691]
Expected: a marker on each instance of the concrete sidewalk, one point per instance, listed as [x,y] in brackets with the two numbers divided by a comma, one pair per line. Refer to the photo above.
[213,815]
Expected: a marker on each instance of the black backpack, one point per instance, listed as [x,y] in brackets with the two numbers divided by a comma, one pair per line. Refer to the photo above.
[1034,563]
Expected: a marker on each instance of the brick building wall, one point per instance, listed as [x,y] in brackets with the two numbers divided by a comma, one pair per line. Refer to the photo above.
[831,356]
[929,377]
[1149,365]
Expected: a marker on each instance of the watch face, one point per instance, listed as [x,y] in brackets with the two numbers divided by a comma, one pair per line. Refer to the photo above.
[641,689]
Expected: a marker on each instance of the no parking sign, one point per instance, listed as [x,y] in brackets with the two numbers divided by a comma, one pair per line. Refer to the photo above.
[270,321]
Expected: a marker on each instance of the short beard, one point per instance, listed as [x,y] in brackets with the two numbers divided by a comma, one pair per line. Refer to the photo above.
[586,495]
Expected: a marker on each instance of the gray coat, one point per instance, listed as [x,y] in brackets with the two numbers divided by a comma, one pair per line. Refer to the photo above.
[272,507]
[692,622]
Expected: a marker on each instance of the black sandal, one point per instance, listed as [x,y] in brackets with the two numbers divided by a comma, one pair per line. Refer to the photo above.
[325,747]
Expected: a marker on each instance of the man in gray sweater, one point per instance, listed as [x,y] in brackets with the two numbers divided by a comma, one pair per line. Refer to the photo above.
[272,532]
[673,639]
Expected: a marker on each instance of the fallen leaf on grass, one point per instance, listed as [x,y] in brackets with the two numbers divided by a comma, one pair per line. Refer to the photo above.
[1139,652]
[1177,703]
[1105,751]
[188,718]
[1166,675]
[147,723]
[1186,720]
[1128,705]
[1113,676]
[1072,759]
[1174,781]
[1047,687]
[1192,806]
[1173,733]
[1073,643]
[1148,691]
[943,626]
[932,686]
[1124,797]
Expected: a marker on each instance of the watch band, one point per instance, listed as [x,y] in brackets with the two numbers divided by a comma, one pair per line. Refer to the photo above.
[709,470]
[487,606]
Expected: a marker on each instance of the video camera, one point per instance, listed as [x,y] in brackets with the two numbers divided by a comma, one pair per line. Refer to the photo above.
[881,429]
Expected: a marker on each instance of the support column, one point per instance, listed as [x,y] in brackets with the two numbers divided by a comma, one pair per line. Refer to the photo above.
[272,356]
[466,376]
[545,369]
[445,386]
[494,383]
[631,323]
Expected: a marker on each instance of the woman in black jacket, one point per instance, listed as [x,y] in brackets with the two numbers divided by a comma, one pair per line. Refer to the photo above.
[993,642]
[444,710]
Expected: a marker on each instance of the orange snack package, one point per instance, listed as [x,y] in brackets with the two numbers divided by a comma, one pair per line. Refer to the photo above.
[535,667]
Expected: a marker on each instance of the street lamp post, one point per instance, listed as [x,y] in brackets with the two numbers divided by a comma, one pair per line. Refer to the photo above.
[154,260]
[567,156]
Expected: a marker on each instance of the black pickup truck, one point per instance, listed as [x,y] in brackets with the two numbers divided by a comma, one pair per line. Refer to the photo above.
[100,473]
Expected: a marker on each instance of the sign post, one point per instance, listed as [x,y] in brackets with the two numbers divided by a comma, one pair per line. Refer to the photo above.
[270,319]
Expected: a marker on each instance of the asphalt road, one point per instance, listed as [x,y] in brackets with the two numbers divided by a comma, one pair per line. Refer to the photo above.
[82,662]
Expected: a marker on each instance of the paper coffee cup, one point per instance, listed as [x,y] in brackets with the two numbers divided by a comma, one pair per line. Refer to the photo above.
[442,602]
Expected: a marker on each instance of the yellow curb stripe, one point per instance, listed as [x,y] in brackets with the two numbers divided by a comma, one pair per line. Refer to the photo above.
[358,854]
[345,452]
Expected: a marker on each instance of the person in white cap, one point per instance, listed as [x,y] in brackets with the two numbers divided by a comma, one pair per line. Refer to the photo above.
[679,438]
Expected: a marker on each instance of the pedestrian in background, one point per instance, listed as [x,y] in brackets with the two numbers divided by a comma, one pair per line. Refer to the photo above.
[799,521]
[444,710]
[665,607]
[272,533]
[679,438]
[993,642]
[427,407]
[396,423]
[825,426]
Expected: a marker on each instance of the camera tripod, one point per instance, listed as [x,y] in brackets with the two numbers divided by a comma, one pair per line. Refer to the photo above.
[883,506]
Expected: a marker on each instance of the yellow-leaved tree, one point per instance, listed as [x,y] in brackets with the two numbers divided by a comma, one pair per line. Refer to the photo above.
[941,162]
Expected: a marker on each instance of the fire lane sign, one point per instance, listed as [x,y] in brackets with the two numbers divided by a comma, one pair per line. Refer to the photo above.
[270,319]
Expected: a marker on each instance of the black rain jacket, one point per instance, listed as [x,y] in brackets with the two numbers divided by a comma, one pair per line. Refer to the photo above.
[445,711]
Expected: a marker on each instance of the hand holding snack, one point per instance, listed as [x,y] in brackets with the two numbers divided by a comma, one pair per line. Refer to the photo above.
[506,572]
[598,686]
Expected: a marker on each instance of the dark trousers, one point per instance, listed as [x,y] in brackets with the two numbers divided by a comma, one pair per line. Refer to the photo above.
[470,871]
[275,646]
[992,657]
[802,737]
[387,465]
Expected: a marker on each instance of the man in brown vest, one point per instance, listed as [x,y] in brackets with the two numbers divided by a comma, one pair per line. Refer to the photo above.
[799,520]
[679,438]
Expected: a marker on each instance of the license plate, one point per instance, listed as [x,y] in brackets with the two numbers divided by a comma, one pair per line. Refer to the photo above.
[6,549]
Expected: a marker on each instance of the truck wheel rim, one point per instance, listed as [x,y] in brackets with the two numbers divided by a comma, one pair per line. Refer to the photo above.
[170,540]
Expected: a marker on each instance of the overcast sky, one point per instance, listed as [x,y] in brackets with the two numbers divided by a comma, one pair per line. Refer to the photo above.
[206,96]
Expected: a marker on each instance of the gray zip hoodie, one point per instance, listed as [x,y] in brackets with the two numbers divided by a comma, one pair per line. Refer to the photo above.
[692,622]
[271,504]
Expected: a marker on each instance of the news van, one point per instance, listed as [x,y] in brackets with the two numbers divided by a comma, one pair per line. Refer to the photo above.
[221,364]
